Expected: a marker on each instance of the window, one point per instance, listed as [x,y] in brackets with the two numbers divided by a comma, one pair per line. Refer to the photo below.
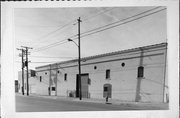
[53,88]
[40,78]
[89,81]
[123,64]
[140,71]
[95,67]
[108,74]
[45,73]
[33,73]
[105,89]
[58,71]
[65,77]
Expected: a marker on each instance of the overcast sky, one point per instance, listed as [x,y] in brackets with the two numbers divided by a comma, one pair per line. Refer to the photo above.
[36,28]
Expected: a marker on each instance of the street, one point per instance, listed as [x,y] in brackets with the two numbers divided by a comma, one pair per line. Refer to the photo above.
[40,104]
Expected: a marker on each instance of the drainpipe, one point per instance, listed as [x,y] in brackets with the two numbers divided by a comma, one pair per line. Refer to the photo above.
[164,81]
[139,79]
[50,80]
[56,79]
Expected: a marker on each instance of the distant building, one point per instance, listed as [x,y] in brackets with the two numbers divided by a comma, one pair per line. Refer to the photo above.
[31,75]
[16,86]
[0,79]
[137,74]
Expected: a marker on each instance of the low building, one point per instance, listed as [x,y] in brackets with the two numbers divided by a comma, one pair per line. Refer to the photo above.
[16,86]
[32,81]
[137,74]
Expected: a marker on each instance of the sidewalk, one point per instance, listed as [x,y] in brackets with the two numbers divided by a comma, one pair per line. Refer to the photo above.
[103,101]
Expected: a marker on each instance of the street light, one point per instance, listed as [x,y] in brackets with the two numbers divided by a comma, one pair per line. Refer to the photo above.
[73,41]
[79,64]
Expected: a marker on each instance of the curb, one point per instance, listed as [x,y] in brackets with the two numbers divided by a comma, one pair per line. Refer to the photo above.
[101,101]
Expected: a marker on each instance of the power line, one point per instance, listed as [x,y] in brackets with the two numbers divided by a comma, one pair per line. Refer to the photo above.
[122,23]
[97,14]
[93,16]
[120,20]
[57,43]
[39,62]
[45,62]
[45,36]
[50,57]
[53,44]
[100,29]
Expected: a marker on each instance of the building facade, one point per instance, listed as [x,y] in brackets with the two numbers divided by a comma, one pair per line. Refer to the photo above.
[32,81]
[134,75]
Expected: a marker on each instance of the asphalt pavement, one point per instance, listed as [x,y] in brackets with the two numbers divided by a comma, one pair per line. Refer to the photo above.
[54,104]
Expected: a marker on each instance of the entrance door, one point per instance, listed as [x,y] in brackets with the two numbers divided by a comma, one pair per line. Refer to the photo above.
[107,90]
[84,85]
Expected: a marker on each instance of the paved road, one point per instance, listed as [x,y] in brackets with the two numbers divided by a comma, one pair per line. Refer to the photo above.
[39,104]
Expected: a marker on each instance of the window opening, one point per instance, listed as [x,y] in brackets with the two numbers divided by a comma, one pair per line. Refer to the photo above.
[108,74]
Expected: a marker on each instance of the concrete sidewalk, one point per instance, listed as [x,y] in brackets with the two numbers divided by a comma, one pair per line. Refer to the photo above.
[163,106]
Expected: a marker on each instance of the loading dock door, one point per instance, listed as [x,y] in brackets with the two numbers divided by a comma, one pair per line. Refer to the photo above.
[84,85]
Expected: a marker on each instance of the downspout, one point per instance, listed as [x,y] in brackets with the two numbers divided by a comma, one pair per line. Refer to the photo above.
[49,80]
[164,82]
[139,79]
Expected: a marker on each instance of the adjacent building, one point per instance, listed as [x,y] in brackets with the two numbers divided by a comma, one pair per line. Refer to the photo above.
[134,75]
[32,81]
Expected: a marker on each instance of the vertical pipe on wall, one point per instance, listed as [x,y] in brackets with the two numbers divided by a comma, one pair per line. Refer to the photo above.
[49,80]
[139,79]
[22,72]
[56,80]
[164,81]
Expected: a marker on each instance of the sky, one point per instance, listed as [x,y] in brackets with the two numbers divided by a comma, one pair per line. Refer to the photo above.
[40,27]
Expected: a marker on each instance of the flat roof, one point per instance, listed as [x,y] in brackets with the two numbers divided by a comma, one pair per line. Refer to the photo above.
[110,54]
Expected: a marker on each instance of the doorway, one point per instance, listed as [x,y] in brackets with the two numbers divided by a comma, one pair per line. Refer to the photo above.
[84,85]
[107,90]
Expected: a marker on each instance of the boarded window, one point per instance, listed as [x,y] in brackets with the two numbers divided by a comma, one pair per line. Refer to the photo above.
[107,74]
[53,88]
[65,77]
[89,81]
[140,71]
[40,78]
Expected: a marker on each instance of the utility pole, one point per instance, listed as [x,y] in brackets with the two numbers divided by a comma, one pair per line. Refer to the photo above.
[79,61]
[26,64]
[22,55]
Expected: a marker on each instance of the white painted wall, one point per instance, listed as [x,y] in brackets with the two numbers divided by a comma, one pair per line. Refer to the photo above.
[123,79]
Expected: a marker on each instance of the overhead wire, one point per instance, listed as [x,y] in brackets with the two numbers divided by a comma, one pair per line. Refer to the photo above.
[121,20]
[97,14]
[93,16]
[103,28]
[39,62]
[120,24]
[46,56]
[117,21]
[50,33]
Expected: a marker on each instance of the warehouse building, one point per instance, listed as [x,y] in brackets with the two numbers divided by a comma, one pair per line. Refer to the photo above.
[134,75]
